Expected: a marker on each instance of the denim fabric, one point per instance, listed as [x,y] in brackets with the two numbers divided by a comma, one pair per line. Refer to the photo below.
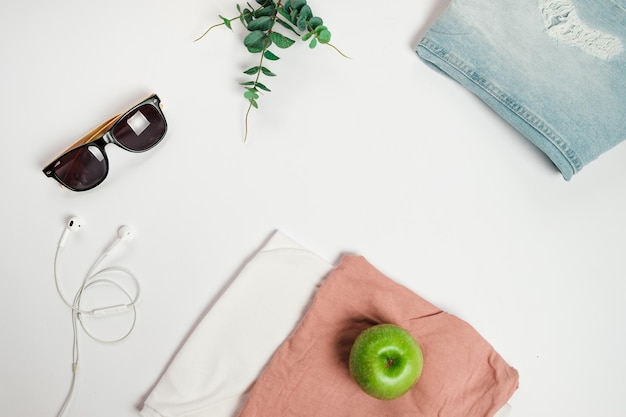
[553,69]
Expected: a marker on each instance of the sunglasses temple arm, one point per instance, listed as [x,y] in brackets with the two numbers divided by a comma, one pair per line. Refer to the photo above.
[94,134]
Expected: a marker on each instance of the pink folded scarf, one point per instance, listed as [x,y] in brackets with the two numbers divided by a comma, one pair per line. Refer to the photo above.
[308,375]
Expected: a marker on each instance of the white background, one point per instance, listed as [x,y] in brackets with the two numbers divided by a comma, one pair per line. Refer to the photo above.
[377,155]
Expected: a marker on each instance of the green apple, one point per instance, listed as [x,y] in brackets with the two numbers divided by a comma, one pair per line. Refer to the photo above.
[385,361]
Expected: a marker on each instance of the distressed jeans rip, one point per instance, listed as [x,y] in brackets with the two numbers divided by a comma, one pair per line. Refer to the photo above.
[563,23]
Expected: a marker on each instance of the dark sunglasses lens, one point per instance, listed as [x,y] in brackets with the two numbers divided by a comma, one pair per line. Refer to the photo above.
[82,168]
[141,129]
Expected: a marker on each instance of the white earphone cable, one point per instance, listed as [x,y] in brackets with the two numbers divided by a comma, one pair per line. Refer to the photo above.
[91,280]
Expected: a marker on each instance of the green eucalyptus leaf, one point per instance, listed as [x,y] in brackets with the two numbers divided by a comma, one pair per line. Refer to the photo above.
[313,43]
[255,41]
[256,49]
[265,11]
[246,16]
[287,26]
[304,15]
[315,22]
[255,85]
[306,12]
[280,40]
[252,71]
[284,13]
[271,56]
[250,94]
[297,4]
[262,23]
[306,36]
[226,22]
[324,36]
[286,6]
[320,28]
[301,23]
[267,72]
[253,103]
[262,87]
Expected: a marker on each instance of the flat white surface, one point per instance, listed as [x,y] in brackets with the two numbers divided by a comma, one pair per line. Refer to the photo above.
[378,155]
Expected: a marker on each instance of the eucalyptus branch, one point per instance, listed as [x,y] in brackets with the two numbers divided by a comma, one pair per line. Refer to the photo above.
[209,29]
[252,93]
[293,16]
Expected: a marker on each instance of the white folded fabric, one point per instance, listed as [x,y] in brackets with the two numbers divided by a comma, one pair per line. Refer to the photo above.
[217,365]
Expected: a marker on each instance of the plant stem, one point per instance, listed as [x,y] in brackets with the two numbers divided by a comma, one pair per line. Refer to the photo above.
[256,81]
[258,74]
[216,25]
[207,31]
[337,49]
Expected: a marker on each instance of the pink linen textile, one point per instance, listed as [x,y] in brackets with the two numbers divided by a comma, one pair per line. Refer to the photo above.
[308,376]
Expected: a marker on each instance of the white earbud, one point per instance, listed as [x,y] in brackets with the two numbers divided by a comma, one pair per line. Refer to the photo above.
[73,225]
[124,233]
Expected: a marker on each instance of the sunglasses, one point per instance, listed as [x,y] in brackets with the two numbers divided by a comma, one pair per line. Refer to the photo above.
[85,164]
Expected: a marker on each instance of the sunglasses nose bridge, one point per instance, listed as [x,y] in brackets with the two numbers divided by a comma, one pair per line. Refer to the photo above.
[105,140]
[101,143]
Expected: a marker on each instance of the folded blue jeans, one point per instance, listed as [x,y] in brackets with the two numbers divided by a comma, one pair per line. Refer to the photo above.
[553,69]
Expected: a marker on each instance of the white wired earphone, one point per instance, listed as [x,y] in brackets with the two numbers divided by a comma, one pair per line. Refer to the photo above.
[92,279]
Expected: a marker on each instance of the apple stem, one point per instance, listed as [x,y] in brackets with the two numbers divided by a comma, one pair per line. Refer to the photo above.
[389,363]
